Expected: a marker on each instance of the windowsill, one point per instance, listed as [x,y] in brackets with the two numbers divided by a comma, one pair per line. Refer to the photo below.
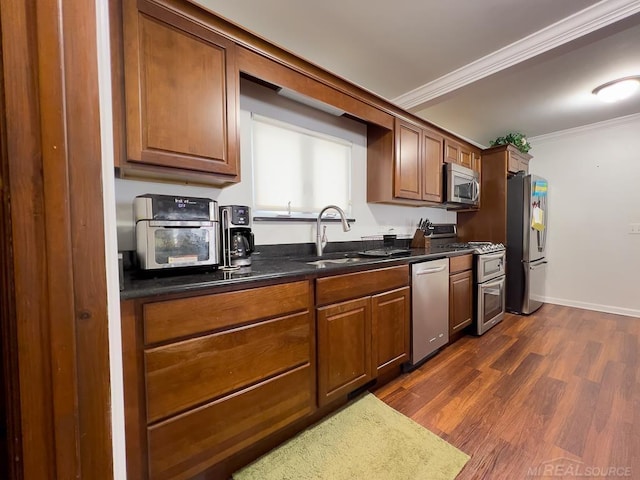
[294,218]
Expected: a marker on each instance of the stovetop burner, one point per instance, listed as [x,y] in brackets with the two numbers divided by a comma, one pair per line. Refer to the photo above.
[480,247]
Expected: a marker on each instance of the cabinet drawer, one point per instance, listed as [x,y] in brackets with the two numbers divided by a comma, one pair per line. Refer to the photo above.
[189,316]
[460,263]
[188,373]
[185,445]
[360,284]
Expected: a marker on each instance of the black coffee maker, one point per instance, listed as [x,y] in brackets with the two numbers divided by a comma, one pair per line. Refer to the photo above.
[237,238]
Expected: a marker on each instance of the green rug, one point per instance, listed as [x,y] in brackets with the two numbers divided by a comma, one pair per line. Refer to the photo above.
[368,440]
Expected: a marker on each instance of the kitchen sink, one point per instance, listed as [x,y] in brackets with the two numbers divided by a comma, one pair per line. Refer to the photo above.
[324,263]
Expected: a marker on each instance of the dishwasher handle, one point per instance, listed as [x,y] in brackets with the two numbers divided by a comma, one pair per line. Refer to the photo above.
[431,270]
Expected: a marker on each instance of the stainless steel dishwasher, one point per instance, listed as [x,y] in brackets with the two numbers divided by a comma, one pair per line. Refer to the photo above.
[429,308]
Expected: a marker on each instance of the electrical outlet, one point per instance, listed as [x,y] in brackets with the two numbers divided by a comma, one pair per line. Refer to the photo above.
[634,228]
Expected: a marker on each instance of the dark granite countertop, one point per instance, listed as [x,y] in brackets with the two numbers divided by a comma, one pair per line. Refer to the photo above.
[266,266]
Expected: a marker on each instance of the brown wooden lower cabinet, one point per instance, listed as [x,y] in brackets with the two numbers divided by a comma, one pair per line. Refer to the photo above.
[460,294]
[359,338]
[211,377]
[391,319]
[344,348]
[186,445]
[184,374]
[218,378]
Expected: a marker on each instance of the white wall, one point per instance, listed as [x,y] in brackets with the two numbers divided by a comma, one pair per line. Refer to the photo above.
[594,194]
[103,56]
[370,218]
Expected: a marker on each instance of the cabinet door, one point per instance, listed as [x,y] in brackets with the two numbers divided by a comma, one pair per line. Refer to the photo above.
[408,161]
[466,157]
[455,152]
[451,151]
[390,327]
[476,162]
[517,163]
[460,301]
[432,166]
[513,165]
[181,88]
[344,348]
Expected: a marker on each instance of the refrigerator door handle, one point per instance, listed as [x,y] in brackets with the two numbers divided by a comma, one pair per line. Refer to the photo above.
[534,266]
[540,236]
[544,231]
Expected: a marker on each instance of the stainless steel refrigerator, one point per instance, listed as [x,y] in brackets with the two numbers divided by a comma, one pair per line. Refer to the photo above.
[527,214]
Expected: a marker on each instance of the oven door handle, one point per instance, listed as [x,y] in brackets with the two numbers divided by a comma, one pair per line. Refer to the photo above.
[486,287]
[492,256]
[493,291]
[179,223]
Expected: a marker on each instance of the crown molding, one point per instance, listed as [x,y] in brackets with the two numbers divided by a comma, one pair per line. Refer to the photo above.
[584,128]
[574,26]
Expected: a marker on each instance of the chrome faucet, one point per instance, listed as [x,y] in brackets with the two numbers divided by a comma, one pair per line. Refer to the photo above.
[345,226]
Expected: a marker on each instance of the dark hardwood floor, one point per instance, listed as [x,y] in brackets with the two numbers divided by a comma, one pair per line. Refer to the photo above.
[552,395]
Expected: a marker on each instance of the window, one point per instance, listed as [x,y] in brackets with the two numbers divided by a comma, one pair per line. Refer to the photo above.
[297,171]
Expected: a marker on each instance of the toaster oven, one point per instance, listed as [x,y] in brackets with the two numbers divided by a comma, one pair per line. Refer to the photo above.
[176,231]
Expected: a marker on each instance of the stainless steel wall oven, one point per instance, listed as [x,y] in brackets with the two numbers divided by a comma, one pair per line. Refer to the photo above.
[490,286]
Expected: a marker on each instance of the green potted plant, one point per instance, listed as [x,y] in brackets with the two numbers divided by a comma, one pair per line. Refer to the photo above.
[518,140]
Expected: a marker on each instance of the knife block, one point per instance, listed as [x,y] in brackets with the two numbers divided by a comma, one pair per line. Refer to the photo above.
[420,240]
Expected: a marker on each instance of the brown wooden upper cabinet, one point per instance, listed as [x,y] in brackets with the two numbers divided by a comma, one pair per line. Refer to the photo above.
[418,163]
[490,221]
[477,158]
[456,152]
[181,98]
[517,161]
[404,166]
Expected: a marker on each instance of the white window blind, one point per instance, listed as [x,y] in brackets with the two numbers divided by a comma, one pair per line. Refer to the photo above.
[298,171]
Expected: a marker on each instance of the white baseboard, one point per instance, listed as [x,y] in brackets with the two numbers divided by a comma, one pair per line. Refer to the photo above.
[629,312]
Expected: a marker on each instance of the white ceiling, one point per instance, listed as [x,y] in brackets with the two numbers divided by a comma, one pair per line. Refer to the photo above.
[479,69]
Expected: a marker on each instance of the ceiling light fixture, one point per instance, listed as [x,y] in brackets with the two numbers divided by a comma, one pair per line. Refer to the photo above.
[617,89]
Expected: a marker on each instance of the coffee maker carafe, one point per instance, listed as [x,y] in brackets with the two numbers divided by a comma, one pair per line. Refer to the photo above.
[237,238]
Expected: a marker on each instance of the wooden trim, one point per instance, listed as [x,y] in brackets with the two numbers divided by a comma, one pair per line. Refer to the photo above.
[55,187]
[135,407]
[87,237]
[280,75]
[28,245]
[10,445]
[117,82]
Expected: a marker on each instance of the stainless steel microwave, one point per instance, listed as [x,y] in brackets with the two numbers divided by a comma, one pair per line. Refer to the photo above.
[462,186]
